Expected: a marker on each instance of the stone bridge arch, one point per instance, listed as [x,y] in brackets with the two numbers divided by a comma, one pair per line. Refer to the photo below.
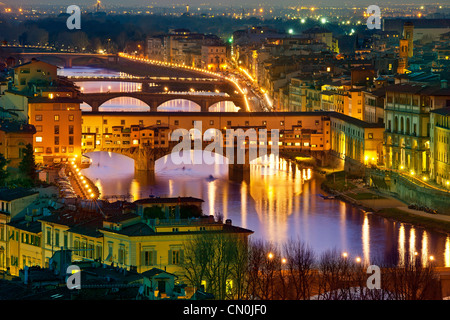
[145,158]
[154,100]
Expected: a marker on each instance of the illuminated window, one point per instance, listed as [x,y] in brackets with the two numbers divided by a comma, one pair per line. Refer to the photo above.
[56,117]
[38,139]
[38,117]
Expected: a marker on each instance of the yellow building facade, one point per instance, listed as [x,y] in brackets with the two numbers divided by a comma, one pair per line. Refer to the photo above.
[440,146]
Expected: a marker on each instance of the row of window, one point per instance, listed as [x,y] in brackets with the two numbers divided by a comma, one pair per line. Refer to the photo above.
[63,149]
[211,122]
[56,117]
[55,140]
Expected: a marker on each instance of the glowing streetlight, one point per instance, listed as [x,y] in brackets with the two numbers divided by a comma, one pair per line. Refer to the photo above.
[283,261]
[358,259]
[345,254]
[270,255]
[431,258]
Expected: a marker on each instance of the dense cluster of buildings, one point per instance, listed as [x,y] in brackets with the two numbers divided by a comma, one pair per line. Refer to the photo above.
[394,79]
[36,229]
[35,97]
[181,46]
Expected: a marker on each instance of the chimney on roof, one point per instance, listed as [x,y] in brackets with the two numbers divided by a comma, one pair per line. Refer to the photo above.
[444,84]
[228,222]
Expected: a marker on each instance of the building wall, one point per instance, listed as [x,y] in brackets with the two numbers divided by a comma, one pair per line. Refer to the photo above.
[407,143]
[52,143]
[24,249]
[214,58]
[440,149]
[17,103]
[363,145]
[11,145]
[36,70]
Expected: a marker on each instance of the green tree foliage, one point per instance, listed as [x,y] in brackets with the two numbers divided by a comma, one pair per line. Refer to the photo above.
[190,211]
[28,166]
[154,212]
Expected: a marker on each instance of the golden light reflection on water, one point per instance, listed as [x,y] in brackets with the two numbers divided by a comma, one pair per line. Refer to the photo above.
[343,221]
[244,192]
[171,188]
[225,201]
[401,245]
[366,239]
[212,197]
[275,188]
[424,248]
[412,244]
[447,252]
[135,190]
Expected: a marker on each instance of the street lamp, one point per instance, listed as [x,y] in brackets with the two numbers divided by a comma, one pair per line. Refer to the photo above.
[345,254]
[270,255]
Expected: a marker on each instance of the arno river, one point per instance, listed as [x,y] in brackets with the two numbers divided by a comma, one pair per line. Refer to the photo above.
[281,201]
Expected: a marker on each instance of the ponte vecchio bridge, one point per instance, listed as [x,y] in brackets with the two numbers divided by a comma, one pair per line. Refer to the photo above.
[128,133]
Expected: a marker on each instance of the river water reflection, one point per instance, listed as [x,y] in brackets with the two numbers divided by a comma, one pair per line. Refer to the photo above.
[277,203]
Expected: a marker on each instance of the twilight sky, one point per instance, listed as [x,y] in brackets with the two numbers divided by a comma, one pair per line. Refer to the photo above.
[233,3]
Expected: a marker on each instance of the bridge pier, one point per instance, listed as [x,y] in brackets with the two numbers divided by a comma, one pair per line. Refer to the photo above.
[68,62]
[204,106]
[144,163]
[95,106]
[239,172]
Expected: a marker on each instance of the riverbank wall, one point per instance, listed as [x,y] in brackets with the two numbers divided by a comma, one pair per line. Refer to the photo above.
[394,184]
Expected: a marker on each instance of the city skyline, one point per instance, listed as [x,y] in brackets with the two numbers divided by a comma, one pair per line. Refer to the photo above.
[230,3]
